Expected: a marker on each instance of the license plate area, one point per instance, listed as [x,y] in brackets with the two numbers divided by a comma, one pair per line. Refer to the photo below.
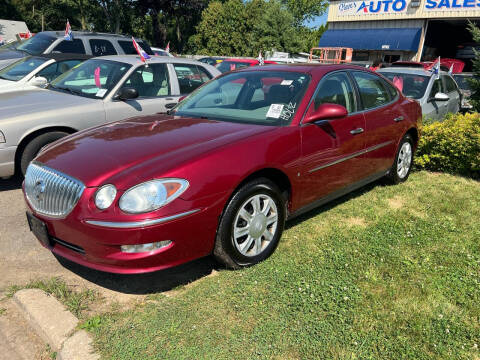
[39,229]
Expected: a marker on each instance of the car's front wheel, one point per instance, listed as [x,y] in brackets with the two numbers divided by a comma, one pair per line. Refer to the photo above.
[251,225]
[35,145]
[403,161]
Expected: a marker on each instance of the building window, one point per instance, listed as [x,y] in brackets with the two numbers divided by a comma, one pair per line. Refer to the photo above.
[360,56]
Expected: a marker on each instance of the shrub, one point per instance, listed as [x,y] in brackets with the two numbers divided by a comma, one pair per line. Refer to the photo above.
[451,146]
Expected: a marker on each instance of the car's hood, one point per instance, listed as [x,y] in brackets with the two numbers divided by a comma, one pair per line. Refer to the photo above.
[4,84]
[36,101]
[124,152]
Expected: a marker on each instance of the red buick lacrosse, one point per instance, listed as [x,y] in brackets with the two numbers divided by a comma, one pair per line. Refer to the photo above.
[223,171]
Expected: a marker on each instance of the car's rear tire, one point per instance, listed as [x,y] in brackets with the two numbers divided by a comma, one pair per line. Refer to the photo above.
[35,145]
[251,225]
[402,165]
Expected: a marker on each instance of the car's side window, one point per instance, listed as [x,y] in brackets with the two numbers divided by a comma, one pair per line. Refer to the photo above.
[190,77]
[372,90]
[391,89]
[54,70]
[336,89]
[151,81]
[74,46]
[449,84]
[436,88]
[102,47]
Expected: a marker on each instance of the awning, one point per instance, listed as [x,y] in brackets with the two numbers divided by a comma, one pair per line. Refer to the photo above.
[406,39]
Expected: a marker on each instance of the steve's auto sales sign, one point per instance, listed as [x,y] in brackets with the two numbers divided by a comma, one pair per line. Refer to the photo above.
[372,7]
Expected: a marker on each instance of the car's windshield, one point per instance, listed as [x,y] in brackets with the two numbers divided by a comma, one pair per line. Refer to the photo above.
[19,69]
[10,45]
[463,82]
[256,97]
[226,66]
[411,85]
[37,44]
[93,78]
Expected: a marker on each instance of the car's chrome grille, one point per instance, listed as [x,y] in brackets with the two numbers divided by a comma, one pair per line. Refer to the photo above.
[50,192]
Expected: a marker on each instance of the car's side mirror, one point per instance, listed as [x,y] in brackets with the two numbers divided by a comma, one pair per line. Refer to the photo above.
[127,93]
[327,112]
[39,81]
[441,97]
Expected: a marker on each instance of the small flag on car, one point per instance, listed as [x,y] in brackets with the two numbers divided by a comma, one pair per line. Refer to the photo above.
[167,49]
[143,55]
[261,62]
[450,71]
[435,69]
[29,34]
[68,32]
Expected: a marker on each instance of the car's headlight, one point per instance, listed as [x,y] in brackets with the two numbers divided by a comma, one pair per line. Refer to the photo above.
[151,195]
[105,196]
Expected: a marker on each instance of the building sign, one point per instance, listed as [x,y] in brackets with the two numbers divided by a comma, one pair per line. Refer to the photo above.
[442,5]
[376,7]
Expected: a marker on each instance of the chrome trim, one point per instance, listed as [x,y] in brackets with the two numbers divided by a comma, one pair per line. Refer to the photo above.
[50,192]
[141,223]
[372,148]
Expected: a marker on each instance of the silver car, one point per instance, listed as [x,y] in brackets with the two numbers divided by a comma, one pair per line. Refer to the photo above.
[437,97]
[97,91]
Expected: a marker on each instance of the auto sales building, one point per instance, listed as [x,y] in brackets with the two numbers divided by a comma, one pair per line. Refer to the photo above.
[407,30]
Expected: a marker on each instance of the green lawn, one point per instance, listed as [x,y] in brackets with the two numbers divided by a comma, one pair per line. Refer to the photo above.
[391,272]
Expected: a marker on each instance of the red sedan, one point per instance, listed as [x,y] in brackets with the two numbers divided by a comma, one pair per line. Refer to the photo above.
[223,172]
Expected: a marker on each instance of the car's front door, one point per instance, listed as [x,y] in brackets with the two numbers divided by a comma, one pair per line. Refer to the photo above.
[153,84]
[433,109]
[384,121]
[331,149]
[453,93]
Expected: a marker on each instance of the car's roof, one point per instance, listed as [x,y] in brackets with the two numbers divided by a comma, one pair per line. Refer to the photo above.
[135,59]
[88,34]
[65,56]
[249,61]
[408,70]
[306,67]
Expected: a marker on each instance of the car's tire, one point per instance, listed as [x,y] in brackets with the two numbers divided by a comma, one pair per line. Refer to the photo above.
[402,165]
[35,145]
[251,224]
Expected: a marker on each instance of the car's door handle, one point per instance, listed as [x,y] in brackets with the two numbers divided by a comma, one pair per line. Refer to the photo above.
[398,119]
[357,131]
[170,105]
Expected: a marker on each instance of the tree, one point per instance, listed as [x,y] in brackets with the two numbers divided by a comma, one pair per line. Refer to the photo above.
[475,82]
[305,10]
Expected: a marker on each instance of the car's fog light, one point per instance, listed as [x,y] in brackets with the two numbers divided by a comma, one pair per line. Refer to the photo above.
[145,247]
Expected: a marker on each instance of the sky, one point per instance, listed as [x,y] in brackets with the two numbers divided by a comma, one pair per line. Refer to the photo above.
[320,20]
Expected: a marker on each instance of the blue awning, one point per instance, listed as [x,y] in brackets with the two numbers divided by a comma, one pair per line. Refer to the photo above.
[373,39]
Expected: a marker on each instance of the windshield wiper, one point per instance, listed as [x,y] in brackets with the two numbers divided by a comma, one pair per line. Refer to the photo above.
[73,92]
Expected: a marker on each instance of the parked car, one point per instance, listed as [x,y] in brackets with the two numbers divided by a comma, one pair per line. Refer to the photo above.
[236,64]
[37,71]
[437,97]
[90,43]
[98,91]
[221,173]
[211,60]
[160,52]
[465,88]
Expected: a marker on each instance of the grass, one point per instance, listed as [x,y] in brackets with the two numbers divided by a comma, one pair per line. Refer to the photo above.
[393,272]
[75,301]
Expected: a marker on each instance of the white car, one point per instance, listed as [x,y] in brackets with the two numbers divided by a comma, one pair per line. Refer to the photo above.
[37,71]
[160,52]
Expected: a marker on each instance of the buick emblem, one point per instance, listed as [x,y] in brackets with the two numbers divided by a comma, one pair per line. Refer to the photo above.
[39,190]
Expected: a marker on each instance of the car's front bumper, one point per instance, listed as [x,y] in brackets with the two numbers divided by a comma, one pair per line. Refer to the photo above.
[7,161]
[97,245]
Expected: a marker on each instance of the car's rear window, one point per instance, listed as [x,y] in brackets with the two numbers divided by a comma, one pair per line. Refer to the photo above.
[19,69]
[411,85]
[37,44]
[128,49]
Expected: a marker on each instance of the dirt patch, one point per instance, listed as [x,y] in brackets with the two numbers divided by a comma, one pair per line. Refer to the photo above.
[396,203]
[356,221]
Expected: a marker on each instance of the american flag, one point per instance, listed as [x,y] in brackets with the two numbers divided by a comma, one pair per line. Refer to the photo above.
[143,55]
[68,32]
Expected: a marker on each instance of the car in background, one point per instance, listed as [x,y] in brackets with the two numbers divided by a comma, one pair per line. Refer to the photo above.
[211,60]
[160,52]
[98,91]
[223,171]
[37,71]
[437,97]
[89,43]
[463,83]
[237,64]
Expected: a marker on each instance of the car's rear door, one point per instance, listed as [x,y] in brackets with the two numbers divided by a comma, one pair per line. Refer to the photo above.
[332,149]
[155,92]
[384,120]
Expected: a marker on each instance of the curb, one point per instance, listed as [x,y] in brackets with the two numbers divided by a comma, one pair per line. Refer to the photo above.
[55,325]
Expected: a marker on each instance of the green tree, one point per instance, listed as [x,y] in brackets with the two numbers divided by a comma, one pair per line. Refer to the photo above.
[305,10]
[475,82]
